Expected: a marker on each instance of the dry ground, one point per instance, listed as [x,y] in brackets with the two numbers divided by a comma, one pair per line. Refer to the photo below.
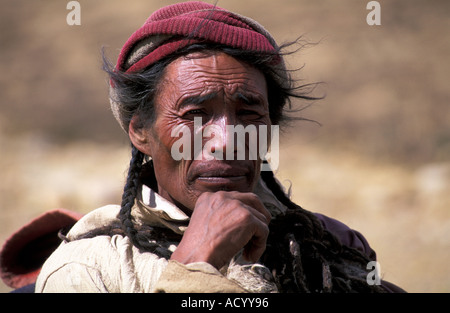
[380,162]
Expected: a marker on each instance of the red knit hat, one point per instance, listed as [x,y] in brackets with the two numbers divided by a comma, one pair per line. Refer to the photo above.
[176,26]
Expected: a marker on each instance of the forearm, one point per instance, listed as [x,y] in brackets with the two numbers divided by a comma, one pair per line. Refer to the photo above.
[198,277]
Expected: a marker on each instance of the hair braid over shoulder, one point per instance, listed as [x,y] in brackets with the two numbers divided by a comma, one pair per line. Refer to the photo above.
[144,237]
[130,193]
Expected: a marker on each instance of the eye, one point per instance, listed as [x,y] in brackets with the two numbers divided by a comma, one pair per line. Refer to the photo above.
[249,113]
[190,114]
[195,112]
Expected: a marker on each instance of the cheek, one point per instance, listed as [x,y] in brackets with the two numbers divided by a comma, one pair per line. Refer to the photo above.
[162,142]
[171,173]
[170,138]
[173,182]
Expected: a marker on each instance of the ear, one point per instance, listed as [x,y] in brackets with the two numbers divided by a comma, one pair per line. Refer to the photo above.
[139,136]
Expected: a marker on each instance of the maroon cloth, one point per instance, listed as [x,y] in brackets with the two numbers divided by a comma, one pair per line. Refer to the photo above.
[25,251]
[354,239]
[347,236]
[176,26]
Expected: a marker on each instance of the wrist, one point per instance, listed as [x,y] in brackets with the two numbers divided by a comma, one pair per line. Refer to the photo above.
[187,256]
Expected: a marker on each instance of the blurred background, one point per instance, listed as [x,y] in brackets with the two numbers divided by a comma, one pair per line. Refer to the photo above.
[379,162]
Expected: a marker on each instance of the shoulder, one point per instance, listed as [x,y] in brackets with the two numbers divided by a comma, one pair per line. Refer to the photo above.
[70,264]
[103,263]
[101,217]
[346,235]
[100,264]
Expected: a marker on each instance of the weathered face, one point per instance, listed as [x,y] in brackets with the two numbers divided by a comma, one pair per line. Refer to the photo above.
[202,94]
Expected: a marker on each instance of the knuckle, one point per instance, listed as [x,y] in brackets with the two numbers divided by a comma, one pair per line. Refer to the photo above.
[221,195]
[253,197]
[243,215]
[205,195]
[235,203]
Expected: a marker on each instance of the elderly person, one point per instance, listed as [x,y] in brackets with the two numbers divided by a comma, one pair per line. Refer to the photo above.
[202,224]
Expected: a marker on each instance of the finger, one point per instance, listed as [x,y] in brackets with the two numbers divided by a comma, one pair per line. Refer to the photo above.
[255,248]
[254,202]
[260,216]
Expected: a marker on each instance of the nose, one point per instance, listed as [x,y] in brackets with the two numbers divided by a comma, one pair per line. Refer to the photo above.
[219,139]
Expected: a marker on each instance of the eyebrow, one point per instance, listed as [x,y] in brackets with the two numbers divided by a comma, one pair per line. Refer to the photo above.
[249,99]
[196,99]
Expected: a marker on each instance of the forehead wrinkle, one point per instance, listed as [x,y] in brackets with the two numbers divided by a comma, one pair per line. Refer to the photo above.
[201,79]
[207,78]
[203,88]
[201,70]
[198,81]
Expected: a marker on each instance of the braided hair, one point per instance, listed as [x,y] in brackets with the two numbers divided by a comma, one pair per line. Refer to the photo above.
[130,193]
[146,238]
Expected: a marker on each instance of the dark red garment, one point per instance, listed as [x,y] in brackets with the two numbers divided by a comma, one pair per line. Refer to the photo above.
[25,251]
[353,239]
